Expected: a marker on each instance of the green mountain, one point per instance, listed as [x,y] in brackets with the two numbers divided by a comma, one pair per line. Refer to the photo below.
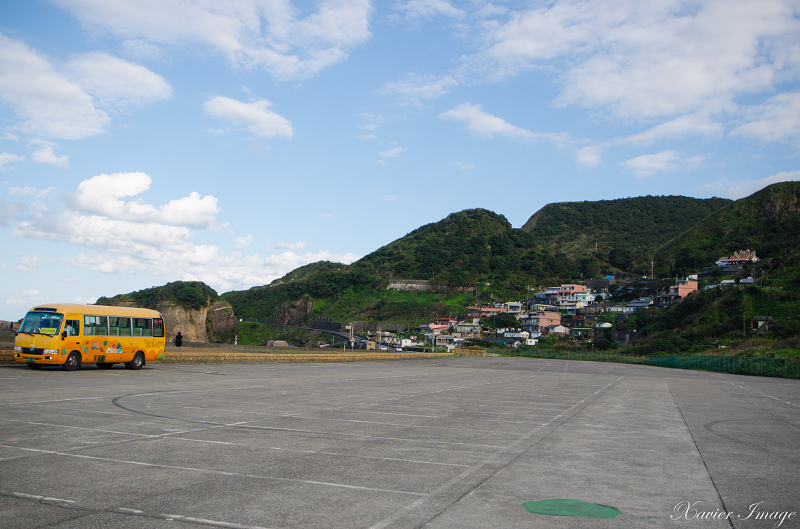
[187,294]
[722,316]
[621,234]
[476,256]
[479,251]
[468,247]
[459,255]
[470,256]
[767,222]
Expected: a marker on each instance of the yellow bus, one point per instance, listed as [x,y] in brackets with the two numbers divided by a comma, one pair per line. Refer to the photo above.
[71,335]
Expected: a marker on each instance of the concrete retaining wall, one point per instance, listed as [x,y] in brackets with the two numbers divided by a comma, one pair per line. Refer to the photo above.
[7,356]
[204,356]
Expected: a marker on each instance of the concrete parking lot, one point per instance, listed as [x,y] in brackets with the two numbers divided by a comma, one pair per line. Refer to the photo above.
[461,442]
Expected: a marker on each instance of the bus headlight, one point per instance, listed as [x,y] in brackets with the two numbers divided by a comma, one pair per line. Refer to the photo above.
[51,351]
[17,349]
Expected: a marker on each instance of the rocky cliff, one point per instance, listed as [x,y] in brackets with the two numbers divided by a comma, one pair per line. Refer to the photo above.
[208,323]
[189,307]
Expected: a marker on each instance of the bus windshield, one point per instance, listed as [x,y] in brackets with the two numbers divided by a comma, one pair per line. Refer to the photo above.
[41,323]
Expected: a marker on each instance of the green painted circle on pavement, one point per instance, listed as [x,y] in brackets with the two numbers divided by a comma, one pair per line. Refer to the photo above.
[566,507]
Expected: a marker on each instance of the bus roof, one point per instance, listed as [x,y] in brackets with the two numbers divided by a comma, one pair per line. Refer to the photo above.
[98,310]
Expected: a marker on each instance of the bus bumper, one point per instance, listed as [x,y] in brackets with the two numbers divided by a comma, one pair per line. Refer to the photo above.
[46,357]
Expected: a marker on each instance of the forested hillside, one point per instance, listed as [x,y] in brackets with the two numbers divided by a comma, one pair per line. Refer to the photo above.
[476,256]
[767,221]
[472,246]
[622,233]
[187,294]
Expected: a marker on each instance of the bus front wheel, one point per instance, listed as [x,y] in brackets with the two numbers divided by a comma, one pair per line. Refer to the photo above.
[137,362]
[73,362]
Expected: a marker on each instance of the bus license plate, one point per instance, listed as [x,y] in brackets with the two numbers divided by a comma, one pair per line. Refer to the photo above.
[31,359]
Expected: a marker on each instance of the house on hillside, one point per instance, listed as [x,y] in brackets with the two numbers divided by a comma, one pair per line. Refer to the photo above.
[488,310]
[738,258]
[470,329]
[572,307]
[639,304]
[582,333]
[513,307]
[443,339]
[683,288]
[556,329]
[536,322]
[548,297]
[432,328]
[569,292]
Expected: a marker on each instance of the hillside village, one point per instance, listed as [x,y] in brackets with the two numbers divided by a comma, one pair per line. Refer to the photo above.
[573,310]
[472,278]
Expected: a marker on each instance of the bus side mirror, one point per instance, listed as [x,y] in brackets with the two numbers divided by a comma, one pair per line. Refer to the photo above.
[63,335]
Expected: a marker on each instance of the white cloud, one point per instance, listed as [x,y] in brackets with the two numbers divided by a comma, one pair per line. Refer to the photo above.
[647,164]
[743,188]
[588,156]
[7,158]
[415,88]
[10,211]
[427,9]
[391,153]
[244,242]
[462,165]
[62,102]
[249,33]
[108,196]
[695,125]
[254,117]
[670,160]
[652,59]
[777,119]
[49,104]
[117,233]
[371,121]
[283,245]
[696,69]
[486,125]
[22,191]
[45,154]
[116,82]
[29,262]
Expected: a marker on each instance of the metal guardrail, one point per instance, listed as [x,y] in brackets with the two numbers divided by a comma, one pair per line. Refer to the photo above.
[765,367]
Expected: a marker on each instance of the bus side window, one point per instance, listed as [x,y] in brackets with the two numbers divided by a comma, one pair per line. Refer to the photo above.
[142,327]
[119,326]
[72,327]
[95,325]
[112,326]
[158,327]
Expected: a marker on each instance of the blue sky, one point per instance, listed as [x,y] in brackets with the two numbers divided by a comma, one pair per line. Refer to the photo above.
[149,141]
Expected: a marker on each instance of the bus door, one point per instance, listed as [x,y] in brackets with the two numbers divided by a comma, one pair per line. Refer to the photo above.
[70,334]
